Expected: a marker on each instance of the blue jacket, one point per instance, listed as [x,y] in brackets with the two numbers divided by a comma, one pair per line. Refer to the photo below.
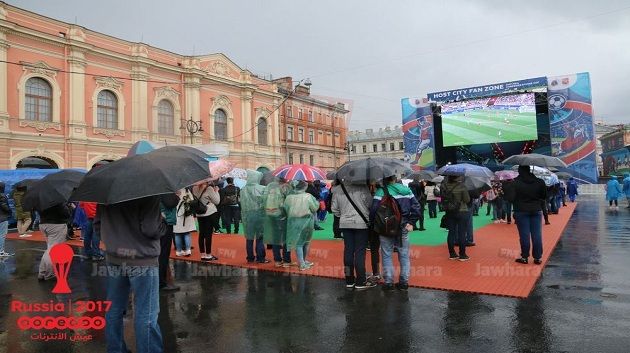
[409,206]
[613,189]
[572,187]
[626,184]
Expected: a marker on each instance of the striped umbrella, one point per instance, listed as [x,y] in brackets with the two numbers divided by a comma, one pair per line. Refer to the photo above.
[300,172]
[505,174]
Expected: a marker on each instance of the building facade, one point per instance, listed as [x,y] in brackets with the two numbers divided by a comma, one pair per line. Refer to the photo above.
[616,151]
[74,97]
[314,130]
[386,142]
[601,129]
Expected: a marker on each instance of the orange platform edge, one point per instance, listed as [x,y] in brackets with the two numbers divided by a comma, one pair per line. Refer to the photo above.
[490,270]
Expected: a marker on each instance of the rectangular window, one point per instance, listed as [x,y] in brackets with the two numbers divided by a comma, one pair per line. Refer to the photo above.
[311,136]
[354,149]
[383,147]
[364,149]
[289,111]
[299,113]
[290,133]
[301,159]
[401,146]
[301,135]
[310,116]
[290,158]
[311,160]
[374,148]
[391,146]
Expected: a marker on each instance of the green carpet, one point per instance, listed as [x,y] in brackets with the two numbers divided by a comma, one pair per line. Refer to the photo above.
[432,236]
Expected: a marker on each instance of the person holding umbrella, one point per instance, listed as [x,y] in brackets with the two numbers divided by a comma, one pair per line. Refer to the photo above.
[300,207]
[23,216]
[5,212]
[528,194]
[54,225]
[455,199]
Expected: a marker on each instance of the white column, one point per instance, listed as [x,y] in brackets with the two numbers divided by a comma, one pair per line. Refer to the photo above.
[139,102]
[76,109]
[4,46]
[193,106]
[246,117]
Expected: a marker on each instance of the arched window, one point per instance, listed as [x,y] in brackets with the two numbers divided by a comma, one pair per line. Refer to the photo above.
[107,110]
[220,125]
[166,117]
[38,103]
[262,131]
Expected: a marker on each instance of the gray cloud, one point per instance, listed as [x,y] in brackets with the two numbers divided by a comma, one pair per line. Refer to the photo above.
[378,52]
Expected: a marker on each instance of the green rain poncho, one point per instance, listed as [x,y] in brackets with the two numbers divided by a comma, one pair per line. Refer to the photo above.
[275,223]
[252,206]
[299,207]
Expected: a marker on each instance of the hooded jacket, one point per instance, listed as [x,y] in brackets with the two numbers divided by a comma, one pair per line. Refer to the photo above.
[407,202]
[526,193]
[5,211]
[572,186]
[626,184]
[342,208]
[252,194]
[460,194]
[131,231]
[613,189]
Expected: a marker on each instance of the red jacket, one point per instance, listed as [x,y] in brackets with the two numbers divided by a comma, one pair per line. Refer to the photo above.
[89,208]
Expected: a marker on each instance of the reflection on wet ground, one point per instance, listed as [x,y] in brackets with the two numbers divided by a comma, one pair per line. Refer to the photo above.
[581,304]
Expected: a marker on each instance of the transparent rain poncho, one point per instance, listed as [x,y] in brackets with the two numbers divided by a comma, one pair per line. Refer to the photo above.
[299,207]
[275,219]
[252,206]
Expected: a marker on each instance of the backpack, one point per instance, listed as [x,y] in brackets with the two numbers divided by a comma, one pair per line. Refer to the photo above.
[387,218]
[196,206]
[436,191]
[448,200]
[230,197]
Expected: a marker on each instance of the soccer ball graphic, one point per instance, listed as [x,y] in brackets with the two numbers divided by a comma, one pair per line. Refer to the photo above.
[407,157]
[556,102]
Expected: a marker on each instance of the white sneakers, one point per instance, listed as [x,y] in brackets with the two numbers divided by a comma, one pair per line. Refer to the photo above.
[5,254]
[25,235]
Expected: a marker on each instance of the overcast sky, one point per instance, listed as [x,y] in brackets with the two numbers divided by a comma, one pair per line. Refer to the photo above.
[376,52]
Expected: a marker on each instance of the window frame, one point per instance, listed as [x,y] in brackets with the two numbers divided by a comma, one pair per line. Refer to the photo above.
[37,99]
[100,109]
[162,117]
[220,123]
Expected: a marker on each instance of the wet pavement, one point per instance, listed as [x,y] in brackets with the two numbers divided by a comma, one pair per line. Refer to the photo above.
[580,304]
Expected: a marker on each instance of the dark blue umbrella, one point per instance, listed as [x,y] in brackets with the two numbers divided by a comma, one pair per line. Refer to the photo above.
[465,169]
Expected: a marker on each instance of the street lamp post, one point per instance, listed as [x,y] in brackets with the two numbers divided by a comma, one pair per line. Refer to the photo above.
[192,126]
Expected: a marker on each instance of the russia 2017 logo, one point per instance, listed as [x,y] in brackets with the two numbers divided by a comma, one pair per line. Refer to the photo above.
[51,320]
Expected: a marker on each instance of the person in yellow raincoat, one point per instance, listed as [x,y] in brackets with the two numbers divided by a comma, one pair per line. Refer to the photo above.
[253,215]
[300,208]
[275,221]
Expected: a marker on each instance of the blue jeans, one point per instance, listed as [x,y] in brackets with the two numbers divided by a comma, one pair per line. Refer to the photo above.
[302,252]
[91,239]
[387,248]
[457,228]
[286,254]
[4,228]
[260,250]
[469,228]
[432,204]
[182,241]
[142,281]
[529,226]
[354,243]
[497,209]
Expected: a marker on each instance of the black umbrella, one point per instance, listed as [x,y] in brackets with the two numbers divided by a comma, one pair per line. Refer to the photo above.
[27,183]
[332,175]
[158,172]
[372,169]
[539,160]
[479,184]
[423,174]
[51,190]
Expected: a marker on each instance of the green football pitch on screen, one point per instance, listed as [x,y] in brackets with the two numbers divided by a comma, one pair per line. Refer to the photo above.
[488,126]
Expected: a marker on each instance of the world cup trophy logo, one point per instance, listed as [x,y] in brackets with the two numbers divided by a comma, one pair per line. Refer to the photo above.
[61,258]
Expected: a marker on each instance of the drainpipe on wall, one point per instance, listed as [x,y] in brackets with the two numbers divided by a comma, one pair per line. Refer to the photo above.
[67,157]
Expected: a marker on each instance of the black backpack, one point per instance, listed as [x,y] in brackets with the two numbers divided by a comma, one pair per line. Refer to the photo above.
[448,200]
[387,218]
